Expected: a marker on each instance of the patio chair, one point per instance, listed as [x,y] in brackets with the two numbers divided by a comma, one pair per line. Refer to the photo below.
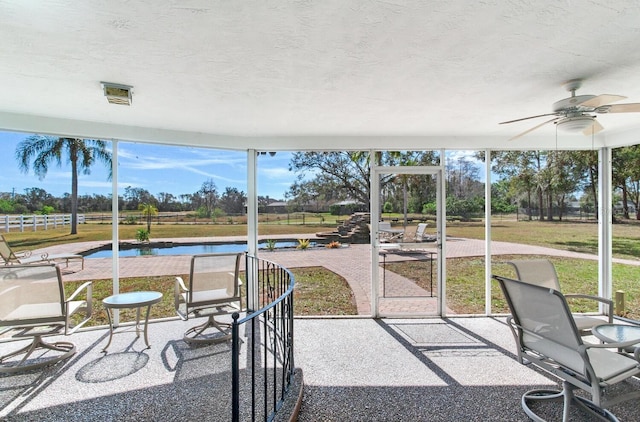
[546,335]
[33,303]
[542,272]
[213,290]
[25,257]
[421,236]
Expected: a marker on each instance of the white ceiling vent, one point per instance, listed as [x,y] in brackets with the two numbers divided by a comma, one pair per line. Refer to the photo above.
[117,93]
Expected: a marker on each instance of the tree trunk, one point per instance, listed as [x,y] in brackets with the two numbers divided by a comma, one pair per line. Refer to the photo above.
[404,203]
[540,205]
[594,191]
[561,207]
[625,205]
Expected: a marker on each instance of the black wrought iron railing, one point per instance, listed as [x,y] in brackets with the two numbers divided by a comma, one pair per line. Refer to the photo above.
[262,344]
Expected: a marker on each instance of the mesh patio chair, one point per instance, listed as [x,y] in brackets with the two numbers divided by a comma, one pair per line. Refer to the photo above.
[25,257]
[213,290]
[421,236]
[33,304]
[542,272]
[547,336]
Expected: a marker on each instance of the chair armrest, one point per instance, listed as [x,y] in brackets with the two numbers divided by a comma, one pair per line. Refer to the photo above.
[180,287]
[22,254]
[178,290]
[621,345]
[88,286]
[604,300]
[87,308]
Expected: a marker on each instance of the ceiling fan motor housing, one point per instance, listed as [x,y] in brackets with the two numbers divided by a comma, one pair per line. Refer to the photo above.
[570,103]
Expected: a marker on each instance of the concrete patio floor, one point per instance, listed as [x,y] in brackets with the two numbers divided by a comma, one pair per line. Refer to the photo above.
[355,369]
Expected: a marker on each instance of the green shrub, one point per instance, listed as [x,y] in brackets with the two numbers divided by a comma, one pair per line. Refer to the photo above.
[142,235]
[303,243]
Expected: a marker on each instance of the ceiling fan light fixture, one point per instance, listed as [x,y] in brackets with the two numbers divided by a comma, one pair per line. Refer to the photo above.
[575,124]
[117,93]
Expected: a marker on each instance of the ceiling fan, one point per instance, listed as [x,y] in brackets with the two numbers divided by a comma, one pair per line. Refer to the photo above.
[576,113]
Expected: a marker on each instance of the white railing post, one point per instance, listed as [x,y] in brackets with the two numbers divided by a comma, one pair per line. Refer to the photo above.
[45,221]
[35,222]
[6,223]
[21,223]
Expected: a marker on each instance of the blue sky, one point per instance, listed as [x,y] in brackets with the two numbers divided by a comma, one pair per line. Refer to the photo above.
[156,168]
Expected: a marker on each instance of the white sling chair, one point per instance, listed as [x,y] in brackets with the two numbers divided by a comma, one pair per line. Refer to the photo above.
[547,336]
[33,303]
[213,290]
[542,272]
[422,236]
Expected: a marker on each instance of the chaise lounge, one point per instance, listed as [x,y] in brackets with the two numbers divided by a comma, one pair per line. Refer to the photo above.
[25,257]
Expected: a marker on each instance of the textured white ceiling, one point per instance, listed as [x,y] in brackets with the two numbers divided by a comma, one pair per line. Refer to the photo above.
[316,74]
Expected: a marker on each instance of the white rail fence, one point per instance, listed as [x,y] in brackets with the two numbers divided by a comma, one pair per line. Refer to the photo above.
[36,222]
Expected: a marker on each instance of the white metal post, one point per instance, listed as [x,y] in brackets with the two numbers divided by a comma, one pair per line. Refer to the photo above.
[605,283]
[487,232]
[115,246]
[252,227]
[374,200]
[441,205]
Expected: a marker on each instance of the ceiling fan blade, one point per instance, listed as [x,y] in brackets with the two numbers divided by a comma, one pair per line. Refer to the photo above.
[533,128]
[601,100]
[593,129]
[527,118]
[624,108]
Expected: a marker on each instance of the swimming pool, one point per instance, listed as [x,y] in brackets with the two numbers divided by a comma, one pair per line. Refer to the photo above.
[127,250]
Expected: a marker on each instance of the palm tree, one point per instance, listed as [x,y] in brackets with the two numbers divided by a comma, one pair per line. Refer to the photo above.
[148,210]
[80,153]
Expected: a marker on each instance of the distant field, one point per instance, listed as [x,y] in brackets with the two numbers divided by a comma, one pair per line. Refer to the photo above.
[573,236]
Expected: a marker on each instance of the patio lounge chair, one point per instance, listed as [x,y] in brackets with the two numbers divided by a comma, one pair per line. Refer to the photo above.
[421,236]
[213,290]
[25,257]
[541,272]
[33,303]
[547,336]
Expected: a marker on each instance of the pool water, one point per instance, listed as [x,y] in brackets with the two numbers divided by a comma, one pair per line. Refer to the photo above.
[174,249]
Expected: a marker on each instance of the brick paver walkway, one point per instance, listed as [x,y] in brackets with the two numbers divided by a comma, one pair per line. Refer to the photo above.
[352,262]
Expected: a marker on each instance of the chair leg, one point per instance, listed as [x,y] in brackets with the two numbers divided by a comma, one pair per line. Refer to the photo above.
[67,350]
[568,398]
[196,334]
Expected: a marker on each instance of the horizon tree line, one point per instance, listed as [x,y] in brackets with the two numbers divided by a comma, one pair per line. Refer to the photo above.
[542,180]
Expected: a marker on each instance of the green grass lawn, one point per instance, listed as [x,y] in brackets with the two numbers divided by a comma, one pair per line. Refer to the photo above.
[465,282]
[317,292]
